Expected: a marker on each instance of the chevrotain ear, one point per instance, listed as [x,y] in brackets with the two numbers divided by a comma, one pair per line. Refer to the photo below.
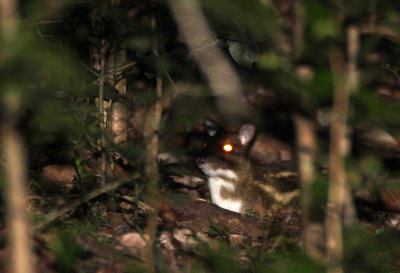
[211,126]
[246,134]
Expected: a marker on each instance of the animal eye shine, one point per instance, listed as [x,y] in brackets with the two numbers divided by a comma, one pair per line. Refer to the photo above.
[227,148]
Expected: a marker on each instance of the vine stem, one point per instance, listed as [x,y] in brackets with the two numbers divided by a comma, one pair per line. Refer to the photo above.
[151,134]
[102,122]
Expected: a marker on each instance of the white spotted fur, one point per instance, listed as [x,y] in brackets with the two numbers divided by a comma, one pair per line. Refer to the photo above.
[283,198]
[219,172]
[215,184]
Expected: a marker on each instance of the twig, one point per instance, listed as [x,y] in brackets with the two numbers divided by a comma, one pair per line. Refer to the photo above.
[305,135]
[103,168]
[91,70]
[388,67]
[152,125]
[394,197]
[177,91]
[352,86]
[210,44]
[353,47]
[48,22]
[381,30]
[279,238]
[78,202]
[121,68]
[338,149]
[339,199]
[142,205]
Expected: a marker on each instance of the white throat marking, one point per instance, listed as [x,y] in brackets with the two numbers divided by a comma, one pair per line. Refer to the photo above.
[215,184]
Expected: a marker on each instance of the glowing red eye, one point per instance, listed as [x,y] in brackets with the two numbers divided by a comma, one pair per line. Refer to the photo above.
[227,148]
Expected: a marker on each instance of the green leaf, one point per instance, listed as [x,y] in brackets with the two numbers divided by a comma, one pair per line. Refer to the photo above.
[241,53]
[270,61]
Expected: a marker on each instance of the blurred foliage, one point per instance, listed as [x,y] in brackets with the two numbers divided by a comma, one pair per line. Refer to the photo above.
[241,19]
[359,258]
[66,252]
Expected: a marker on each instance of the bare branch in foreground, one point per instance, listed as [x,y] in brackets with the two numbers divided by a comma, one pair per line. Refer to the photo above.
[22,260]
[352,85]
[76,203]
[18,226]
[339,197]
[151,129]
[222,79]
[103,168]
[306,147]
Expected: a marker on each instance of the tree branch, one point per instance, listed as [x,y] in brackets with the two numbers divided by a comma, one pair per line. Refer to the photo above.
[306,147]
[102,121]
[152,126]
[15,155]
[221,77]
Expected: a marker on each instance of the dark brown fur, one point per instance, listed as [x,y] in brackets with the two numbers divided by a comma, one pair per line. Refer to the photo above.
[253,181]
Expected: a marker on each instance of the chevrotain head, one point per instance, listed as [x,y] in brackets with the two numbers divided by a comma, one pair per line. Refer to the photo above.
[224,150]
